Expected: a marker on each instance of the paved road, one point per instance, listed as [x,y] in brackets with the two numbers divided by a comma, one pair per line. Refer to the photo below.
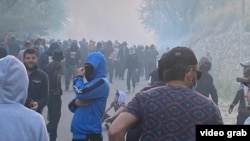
[64,133]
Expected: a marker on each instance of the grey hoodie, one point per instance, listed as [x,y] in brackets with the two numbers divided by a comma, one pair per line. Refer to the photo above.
[17,123]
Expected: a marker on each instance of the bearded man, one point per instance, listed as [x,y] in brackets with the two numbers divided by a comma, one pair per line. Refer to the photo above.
[38,89]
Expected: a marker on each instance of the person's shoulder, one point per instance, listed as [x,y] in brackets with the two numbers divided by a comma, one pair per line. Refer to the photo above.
[41,73]
[201,99]
[56,64]
[153,90]
[32,114]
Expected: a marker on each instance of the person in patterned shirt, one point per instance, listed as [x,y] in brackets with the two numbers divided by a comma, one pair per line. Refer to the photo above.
[169,112]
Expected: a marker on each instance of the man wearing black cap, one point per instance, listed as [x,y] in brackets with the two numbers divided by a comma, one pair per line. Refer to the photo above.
[246,81]
[172,111]
[205,84]
[240,98]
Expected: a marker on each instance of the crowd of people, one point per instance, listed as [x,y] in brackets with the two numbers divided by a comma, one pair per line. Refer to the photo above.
[180,95]
[138,61]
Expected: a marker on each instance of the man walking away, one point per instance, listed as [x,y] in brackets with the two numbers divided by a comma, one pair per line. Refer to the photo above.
[165,112]
[54,72]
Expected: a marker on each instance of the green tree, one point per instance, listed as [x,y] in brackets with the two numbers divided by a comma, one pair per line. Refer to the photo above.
[174,19]
[31,16]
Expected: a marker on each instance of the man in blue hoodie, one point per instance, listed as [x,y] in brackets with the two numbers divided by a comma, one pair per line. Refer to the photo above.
[90,99]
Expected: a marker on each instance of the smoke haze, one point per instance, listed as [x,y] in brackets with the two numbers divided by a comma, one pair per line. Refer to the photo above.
[106,20]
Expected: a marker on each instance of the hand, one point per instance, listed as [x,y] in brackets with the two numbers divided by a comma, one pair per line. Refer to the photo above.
[33,105]
[80,71]
[230,109]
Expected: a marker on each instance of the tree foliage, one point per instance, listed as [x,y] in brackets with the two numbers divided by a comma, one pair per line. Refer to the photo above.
[175,19]
[31,16]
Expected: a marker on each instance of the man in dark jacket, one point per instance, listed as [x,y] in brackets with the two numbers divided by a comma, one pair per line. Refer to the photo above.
[38,82]
[205,84]
[132,66]
[54,72]
[241,99]
[72,59]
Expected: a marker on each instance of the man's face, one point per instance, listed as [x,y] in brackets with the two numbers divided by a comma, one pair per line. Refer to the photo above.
[30,60]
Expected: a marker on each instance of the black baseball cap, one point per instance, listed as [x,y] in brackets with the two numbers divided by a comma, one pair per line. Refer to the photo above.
[177,56]
[245,64]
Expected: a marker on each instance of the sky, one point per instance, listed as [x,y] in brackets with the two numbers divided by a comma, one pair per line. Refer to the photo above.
[107,20]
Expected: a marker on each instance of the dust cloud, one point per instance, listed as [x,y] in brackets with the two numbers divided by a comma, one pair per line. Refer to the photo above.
[106,20]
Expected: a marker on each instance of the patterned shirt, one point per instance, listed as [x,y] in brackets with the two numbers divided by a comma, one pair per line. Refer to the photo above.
[170,113]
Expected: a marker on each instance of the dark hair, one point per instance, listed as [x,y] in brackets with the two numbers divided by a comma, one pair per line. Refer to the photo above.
[3,52]
[174,64]
[28,44]
[58,55]
[30,51]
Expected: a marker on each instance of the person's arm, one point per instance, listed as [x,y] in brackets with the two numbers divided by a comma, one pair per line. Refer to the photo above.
[58,75]
[111,105]
[42,102]
[28,101]
[126,119]
[236,98]
[91,90]
[214,95]
[213,91]
[120,126]
[117,113]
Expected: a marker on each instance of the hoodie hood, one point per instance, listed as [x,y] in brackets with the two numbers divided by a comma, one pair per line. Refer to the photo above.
[52,48]
[204,64]
[13,81]
[98,61]
[122,97]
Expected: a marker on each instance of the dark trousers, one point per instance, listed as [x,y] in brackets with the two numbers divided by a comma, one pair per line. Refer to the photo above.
[69,73]
[91,137]
[54,114]
[110,66]
[241,117]
[133,134]
[116,69]
[131,77]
